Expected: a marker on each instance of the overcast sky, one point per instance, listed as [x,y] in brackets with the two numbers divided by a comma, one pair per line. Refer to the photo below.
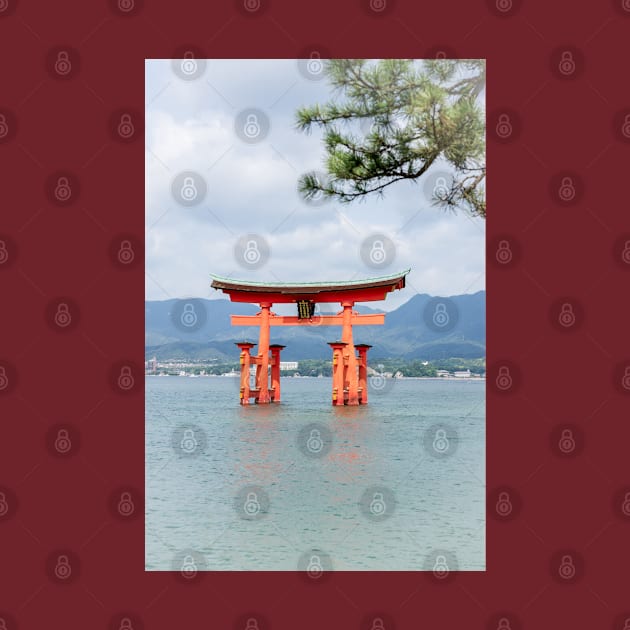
[222,162]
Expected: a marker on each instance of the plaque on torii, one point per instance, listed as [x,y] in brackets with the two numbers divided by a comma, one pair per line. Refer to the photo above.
[349,369]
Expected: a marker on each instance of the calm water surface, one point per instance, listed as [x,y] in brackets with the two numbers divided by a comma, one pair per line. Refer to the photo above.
[416,452]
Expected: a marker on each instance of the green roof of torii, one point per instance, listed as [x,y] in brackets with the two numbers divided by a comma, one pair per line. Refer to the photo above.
[231,284]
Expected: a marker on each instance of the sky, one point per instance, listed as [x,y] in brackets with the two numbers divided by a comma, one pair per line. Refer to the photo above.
[222,162]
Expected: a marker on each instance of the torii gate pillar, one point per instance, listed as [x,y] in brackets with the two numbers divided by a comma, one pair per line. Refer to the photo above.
[338,372]
[262,376]
[363,390]
[350,356]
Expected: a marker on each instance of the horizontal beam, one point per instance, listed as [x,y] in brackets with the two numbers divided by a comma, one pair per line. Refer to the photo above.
[368,294]
[368,319]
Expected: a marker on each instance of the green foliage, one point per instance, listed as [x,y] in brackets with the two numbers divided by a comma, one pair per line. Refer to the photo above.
[418,113]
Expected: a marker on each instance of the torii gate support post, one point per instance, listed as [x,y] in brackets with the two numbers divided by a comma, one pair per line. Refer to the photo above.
[350,355]
[276,348]
[338,370]
[262,371]
[363,390]
[245,360]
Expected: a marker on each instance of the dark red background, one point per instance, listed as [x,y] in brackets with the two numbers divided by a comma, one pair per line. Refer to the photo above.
[564,252]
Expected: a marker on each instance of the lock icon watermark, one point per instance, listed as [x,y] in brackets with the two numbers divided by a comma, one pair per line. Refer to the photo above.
[251,255]
[4,506]
[377,251]
[625,381]
[567,191]
[125,254]
[315,65]
[188,317]
[566,66]
[504,624]
[314,568]
[251,505]
[440,441]
[251,251]
[126,6]
[251,6]
[252,127]
[503,505]
[125,127]
[378,381]
[377,505]
[566,317]
[566,570]
[314,440]
[126,506]
[63,443]
[188,443]
[566,443]
[504,254]
[440,316]
[189,567]
[503,6]
[126,380]
[504,379]
[625,253]
[189,65]
[63,65]
[315,443]
[625,504]
[125,624]
[63,191]
[378,624]
[4,252]
[440,567]
[62,318]
[625,127]
[251,624]
[4,127]
[504,127]
[189,188]
[63,570]
[378,6]
[440,188]
[4,379]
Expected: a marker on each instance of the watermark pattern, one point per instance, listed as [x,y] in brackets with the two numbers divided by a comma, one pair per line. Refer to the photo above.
[252,251]
[316,565]
[251,503]
[377,251]
[188,315]
[315,440]
[252,125]
[440,315]
[441,440]
[377,503]
[189,441]
[189,188]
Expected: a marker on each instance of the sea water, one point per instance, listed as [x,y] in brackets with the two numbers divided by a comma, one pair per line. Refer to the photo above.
[416,452]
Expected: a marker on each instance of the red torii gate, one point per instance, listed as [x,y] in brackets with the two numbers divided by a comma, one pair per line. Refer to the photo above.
[349,370]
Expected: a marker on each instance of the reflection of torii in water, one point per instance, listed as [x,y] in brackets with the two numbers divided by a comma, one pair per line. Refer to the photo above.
[349,370]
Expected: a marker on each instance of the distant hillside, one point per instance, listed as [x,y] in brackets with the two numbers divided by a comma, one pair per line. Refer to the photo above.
[409,331]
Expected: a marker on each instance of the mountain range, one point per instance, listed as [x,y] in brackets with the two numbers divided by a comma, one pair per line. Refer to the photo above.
[415,330]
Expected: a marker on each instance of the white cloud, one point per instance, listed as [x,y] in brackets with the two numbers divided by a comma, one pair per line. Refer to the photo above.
[252,188]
